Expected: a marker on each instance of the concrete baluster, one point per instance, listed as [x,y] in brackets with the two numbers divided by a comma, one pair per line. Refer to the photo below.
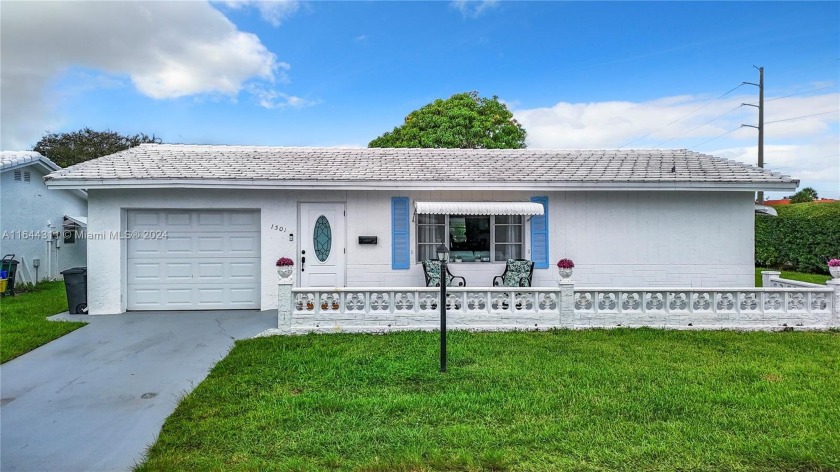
[567,302]
[284,302]
[835,302]
[765,277]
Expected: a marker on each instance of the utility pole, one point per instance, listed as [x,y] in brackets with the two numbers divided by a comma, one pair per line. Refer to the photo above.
[760,126]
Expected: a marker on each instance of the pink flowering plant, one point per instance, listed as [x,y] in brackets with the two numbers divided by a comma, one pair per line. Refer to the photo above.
[834,263]
[565,264]
[285,261]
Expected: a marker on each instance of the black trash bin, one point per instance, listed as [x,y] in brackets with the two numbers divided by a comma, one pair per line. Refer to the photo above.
[75,282]
[9,266]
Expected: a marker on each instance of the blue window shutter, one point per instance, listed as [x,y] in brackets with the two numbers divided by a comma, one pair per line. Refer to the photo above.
[400,234]
[539,235]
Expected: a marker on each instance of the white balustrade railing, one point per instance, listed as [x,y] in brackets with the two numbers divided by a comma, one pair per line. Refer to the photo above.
[404,308]
[414,300]
[503,308]
[722,307]
[787,283]
[772,278]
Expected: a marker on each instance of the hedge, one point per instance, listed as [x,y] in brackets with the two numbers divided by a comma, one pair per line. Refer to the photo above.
[803,237]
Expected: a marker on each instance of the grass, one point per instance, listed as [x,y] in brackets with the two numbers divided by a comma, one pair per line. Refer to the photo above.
[621,399]
[23,319]
[801,276]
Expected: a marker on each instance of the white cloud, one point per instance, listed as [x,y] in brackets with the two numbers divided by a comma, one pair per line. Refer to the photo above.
[272,11]
[166,50]
[473,8]
[805,148]
[273,99]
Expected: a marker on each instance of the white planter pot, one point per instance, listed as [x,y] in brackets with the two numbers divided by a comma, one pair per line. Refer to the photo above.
[285,271]
[565,273]
[835,272]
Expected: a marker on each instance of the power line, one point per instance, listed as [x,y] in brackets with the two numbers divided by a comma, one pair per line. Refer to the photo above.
[768,122]
[707,103]
[699,126]
[801,93]
[809,66]
[803,116]
[716,137]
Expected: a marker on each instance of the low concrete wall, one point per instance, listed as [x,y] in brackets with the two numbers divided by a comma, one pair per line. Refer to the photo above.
[368,310]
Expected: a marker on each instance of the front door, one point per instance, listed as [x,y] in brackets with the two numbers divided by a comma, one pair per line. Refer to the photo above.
[322,240]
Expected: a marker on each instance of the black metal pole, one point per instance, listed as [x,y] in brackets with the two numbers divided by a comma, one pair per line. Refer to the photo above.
[760,126]
[443,278]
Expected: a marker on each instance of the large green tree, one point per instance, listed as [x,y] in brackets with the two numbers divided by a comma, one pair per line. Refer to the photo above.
[464,120]
[805,195]
[66,149]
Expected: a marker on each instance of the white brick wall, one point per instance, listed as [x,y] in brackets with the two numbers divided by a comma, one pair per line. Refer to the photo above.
[644,238]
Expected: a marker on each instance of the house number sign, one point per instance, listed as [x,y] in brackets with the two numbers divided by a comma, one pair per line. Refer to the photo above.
[282,229]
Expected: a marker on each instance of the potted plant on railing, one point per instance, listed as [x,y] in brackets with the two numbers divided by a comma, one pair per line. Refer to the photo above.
[285,266]
[565,267]
[834,268]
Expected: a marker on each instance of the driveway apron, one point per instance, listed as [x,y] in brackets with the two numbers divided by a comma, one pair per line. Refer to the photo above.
[96,398]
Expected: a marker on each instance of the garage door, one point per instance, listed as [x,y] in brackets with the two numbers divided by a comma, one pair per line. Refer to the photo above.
[204,260]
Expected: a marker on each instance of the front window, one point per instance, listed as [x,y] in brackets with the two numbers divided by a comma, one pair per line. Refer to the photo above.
[471,238]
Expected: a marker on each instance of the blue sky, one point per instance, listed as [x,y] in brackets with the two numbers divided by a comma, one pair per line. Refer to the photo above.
[577,75]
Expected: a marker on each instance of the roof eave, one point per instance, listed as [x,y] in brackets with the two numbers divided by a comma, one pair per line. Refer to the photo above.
[87,184]
[44,163]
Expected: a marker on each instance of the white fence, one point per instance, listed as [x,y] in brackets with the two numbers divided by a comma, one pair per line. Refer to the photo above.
[781,303]
[755,308]
[412,308]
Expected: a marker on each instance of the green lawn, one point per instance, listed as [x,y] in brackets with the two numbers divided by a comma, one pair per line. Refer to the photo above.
[23,319]
[801,276]
[617,399]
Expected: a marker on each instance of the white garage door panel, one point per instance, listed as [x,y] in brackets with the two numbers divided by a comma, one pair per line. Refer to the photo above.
[193,298]
[174,244]
[185,220]
[207,259]
[205,270]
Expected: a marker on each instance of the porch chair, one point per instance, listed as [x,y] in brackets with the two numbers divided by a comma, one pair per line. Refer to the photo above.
[518,273]
[431,269]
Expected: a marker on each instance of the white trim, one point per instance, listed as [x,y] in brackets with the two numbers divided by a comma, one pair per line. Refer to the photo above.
[478,208]
[39,159]
[414,185]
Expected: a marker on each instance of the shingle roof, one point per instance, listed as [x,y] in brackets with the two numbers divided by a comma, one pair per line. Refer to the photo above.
[9,159]
[168,164]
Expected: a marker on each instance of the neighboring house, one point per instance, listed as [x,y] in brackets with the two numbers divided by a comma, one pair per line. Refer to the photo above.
[39,226]
[786,201]
[200,227]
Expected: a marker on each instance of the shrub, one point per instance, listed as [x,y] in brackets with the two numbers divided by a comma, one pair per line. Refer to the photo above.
[803,237]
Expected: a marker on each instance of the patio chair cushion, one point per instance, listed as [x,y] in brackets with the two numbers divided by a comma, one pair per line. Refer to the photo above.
[516,270]
[432,268]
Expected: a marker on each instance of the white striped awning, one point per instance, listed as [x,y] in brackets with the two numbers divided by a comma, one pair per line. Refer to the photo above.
[478,208]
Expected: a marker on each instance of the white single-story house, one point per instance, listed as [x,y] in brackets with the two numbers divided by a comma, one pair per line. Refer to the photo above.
[37,225]
[186,227]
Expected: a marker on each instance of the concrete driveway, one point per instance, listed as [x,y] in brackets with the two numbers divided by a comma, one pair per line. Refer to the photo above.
[96,398]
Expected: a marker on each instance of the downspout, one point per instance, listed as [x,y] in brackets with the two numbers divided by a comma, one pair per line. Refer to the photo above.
[49,249]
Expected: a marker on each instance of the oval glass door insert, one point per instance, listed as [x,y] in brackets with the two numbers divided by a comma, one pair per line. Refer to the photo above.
[322,238]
